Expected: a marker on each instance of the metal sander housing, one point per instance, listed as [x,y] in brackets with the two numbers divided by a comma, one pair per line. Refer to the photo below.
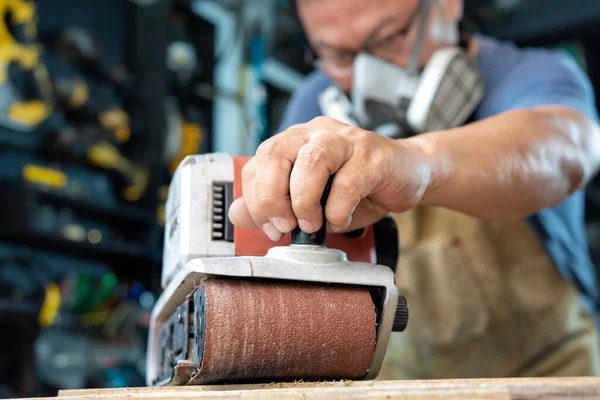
[193,254]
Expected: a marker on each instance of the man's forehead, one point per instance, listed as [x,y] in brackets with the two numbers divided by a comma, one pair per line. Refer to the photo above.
[353,6]
[344,22]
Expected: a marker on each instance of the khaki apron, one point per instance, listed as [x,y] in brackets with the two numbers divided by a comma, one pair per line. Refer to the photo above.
[485,300]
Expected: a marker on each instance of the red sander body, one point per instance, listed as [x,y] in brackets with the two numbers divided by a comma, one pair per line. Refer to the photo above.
[239,308]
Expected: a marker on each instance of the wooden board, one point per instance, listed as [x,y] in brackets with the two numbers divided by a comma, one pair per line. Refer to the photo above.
[483,389]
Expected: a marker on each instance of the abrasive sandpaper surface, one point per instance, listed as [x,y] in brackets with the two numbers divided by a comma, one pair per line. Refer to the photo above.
[258,330]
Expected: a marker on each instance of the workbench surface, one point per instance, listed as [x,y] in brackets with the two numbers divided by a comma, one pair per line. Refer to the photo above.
[483,389]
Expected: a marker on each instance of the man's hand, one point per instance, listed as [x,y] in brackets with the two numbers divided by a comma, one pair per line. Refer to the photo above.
[283,183]
[503,167]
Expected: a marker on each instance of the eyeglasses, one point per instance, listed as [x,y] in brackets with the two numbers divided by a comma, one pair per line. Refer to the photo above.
[384,47]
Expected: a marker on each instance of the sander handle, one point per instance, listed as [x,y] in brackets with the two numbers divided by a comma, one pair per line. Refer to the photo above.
[316,238]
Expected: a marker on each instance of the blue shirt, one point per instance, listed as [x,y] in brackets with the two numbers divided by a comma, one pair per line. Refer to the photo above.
[516,78]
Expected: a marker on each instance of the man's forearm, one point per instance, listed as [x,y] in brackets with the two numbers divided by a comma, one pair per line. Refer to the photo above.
[511,165]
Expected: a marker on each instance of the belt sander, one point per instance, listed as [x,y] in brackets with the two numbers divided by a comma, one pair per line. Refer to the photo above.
[239,308]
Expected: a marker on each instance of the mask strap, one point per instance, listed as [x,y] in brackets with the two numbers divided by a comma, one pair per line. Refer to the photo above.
[415,57]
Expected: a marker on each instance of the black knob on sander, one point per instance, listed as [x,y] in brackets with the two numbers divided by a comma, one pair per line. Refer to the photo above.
[318,237]
[401,317]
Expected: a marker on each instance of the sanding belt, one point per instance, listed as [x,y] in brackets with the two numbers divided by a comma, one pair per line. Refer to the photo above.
[266,330]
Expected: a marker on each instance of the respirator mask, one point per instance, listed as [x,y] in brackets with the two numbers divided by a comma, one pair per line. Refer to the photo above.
[400,102]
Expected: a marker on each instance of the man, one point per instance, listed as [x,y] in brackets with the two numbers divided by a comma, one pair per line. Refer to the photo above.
[493,260]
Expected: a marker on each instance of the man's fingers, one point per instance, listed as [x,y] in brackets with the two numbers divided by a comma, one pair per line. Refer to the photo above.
[252,205]
[316,162]
[352,183]
[365,214]
[239,214]
[273,163]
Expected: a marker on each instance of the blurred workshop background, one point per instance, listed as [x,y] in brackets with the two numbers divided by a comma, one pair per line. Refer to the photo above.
[99,101]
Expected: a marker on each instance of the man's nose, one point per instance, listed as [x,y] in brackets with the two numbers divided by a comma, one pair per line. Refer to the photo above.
[343,78]
[346,83]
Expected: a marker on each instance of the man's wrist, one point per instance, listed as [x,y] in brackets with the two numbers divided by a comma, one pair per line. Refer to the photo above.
[427,149]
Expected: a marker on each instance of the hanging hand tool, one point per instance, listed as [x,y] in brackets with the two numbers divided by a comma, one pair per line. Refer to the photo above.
[76,46]
[237,307]
[25,87]
[91,145]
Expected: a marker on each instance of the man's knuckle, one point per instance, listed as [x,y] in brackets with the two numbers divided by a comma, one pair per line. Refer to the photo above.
[303,209]
[350,185]
[361,136]
[247,171]
[376,157]
[337,216]
[311,155]
[268,148]
[321,119]
[295,127]
[266,200]
[253,209]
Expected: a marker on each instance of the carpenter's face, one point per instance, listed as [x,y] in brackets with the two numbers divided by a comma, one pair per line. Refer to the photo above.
[338,28]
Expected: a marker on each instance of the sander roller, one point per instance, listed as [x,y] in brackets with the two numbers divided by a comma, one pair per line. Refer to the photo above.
[239,308]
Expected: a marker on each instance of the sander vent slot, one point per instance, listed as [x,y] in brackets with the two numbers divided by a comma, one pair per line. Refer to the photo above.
[222,197]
